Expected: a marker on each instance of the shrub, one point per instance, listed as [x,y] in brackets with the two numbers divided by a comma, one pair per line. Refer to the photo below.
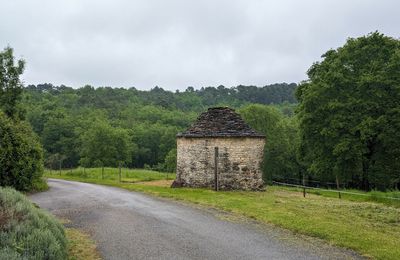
[27,232]
[21,156]
[170,161]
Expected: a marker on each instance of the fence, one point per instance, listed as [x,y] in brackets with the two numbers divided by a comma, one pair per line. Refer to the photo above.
[339,192]
[121,174]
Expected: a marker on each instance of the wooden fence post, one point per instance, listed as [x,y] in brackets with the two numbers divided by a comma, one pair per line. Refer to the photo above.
[304,185]
[119,171]
[102,172]
[338,187]
[216,184]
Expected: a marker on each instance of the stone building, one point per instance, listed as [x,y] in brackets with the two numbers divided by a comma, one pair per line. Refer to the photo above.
[220,138]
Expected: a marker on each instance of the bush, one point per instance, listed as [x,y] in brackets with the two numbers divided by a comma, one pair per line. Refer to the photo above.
[21,155]
[170,161]
[27,232]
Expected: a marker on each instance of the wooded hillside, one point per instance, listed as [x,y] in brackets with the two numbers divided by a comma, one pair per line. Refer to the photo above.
[106,126]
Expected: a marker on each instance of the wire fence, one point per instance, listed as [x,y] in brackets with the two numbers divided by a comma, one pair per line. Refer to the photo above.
[312,183]
[339,192]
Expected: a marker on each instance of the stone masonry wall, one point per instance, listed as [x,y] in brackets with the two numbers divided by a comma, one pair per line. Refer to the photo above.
[239,162]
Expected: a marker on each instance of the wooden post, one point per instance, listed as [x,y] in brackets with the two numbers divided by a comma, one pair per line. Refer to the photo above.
[60,167]
[338,187]
[304,185]
[216,169]
[119,172]
[102,172]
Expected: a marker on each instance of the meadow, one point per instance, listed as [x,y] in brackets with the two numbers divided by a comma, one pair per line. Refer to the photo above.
[389,198]
[367,225]
[109,174]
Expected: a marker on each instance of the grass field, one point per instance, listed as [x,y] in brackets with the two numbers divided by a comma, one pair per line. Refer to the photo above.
[111,174]
[370,227]
[391,198]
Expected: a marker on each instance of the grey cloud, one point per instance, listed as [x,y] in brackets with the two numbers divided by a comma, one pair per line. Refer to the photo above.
[175,44]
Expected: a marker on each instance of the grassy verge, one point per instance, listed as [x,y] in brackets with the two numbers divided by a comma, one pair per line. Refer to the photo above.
[371,228]
[39,185]
[80,246]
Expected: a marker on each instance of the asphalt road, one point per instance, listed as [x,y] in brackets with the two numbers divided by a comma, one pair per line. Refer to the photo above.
[130,225]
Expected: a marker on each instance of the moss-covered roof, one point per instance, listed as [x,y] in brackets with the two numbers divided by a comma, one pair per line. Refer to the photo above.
[220,122]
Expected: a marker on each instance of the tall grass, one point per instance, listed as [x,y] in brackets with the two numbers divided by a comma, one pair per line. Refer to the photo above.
[27,232]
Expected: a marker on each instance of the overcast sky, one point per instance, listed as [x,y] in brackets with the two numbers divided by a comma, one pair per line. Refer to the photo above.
[180,43]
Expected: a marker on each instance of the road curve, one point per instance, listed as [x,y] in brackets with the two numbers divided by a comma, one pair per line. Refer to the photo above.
[131,225]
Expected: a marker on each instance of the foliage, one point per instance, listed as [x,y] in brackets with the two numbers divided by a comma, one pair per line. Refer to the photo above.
[170,161]
[10,84]
[103,145]
[281,140]
[21,157]
[60,137]
[68,120]
[350,113]
[27,232]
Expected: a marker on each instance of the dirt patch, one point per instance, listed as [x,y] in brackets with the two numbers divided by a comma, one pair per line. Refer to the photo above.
[159,183]
[80,245]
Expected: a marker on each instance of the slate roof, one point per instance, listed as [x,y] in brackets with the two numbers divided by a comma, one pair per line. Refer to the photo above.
[220,122]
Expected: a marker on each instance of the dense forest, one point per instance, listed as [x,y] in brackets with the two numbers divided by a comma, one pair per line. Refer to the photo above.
[107,126]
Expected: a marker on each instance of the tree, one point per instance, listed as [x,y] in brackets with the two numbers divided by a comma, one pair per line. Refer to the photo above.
[104,145]
[59,137]
[21,156]
[10,85]
[349,113]
[170,161]
[62,115]
[281,141]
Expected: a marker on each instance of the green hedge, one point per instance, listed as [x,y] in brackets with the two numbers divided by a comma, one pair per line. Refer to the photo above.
[27,232]
[21,155]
